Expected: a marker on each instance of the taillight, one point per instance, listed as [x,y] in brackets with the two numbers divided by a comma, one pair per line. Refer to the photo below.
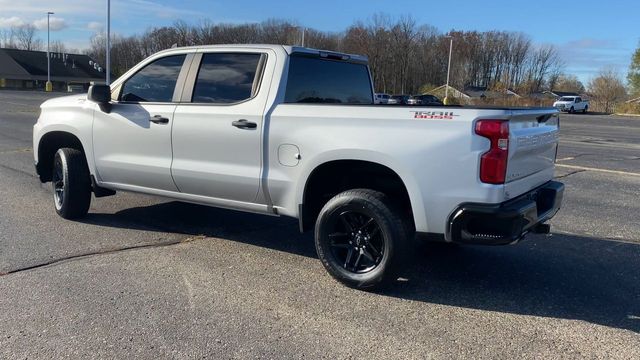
[493,163]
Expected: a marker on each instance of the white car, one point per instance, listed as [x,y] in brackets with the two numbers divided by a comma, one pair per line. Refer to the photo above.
[382,98]
[572,104]
[290,131]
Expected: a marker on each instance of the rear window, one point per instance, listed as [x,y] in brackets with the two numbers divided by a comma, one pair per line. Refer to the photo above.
[225,78]
[316,80]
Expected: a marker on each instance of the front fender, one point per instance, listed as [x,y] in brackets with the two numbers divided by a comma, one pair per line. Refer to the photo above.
[75,120]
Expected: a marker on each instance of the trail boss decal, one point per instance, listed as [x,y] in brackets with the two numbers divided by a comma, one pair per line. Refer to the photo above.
[440,115]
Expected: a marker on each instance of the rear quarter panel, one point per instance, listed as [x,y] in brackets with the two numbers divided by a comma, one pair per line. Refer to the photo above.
[436,156]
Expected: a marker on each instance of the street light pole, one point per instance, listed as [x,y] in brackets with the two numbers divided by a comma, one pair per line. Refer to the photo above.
[446,90]
[108,55]
[48,86]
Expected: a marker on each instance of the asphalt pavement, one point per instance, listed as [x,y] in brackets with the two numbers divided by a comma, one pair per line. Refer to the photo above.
[153,278]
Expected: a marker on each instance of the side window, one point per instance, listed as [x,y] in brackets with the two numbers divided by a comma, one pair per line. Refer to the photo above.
[317,80]
[156,82]
[578,100]
[226,78]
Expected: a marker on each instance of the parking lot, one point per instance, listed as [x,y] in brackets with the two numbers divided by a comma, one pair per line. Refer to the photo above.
[148,277]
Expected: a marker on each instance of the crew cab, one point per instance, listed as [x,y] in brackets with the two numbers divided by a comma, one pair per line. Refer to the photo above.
[572,104]
[291,131]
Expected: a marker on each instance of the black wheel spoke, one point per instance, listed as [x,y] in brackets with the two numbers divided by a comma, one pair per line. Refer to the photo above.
[346,222]
[366,224]
[374,252]
[340,246]
[368,255]
[348,260]
[333,238]
[338,235]
[357,262]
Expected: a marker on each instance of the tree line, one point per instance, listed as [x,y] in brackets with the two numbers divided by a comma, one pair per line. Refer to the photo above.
[404,57]
[26,38]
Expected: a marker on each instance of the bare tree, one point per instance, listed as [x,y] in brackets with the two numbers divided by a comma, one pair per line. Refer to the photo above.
[607,89]
[7,38]
[58,47]
[569,83]
[404,57]
[25,37]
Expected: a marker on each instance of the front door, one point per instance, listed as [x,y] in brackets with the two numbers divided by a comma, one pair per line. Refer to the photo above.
[132,142]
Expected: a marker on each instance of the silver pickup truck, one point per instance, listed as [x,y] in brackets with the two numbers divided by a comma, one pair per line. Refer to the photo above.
[291,131]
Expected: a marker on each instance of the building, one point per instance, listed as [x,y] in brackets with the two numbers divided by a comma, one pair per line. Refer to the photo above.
[559,94]
[453,92]
[23,69]
[483,92]
[473,92]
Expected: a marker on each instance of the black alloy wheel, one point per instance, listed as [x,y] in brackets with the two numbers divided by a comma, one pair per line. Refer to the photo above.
[362,238]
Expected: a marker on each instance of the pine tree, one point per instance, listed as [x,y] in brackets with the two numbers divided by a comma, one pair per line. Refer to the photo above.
[634,73]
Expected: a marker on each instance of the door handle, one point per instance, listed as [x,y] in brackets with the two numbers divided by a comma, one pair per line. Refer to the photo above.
[159,119]
[244,124]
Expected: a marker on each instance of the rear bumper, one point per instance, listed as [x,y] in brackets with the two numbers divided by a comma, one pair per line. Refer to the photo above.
[508,222]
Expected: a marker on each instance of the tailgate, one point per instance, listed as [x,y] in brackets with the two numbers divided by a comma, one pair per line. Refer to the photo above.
[533,140]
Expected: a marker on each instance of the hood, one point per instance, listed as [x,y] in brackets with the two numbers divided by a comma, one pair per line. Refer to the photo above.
[64,101]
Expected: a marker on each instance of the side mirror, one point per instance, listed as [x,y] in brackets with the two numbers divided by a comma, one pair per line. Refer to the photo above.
[100,94]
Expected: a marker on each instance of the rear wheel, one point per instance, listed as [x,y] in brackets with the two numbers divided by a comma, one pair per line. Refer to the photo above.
[361,238]
[71,183]
[586,108]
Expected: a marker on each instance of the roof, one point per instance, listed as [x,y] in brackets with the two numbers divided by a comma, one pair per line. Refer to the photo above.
[562,93]
[287,48]
[32,65]
[454,91]
[485,92]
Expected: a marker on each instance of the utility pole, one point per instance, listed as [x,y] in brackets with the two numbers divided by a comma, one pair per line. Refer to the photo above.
[446,90]
[108,56]
[48,86]
[304,30]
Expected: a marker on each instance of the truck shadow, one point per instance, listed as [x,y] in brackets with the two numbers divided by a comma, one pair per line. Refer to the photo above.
[559,276]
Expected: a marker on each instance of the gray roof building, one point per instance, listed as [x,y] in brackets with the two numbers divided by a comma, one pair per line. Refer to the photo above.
[24,67]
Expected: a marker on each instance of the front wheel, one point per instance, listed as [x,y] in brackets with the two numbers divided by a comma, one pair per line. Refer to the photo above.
[572,110]
[71,183]
[361,238]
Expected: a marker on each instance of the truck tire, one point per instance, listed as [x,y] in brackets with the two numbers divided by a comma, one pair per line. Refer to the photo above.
[586,108]
[361,238]
[71,183]
[572,110]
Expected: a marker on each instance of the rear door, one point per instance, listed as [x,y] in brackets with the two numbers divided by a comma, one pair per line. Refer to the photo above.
[533,140]
[217,129]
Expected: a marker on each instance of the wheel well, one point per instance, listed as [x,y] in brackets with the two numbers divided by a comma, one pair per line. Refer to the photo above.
[332,178]
[49,144]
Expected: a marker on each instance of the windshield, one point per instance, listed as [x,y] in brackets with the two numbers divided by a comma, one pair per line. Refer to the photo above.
[566,99]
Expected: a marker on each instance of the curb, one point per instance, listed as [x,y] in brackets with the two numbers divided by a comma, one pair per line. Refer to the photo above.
[629,115]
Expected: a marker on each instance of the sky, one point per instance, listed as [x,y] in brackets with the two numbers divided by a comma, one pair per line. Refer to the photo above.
[589,34]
